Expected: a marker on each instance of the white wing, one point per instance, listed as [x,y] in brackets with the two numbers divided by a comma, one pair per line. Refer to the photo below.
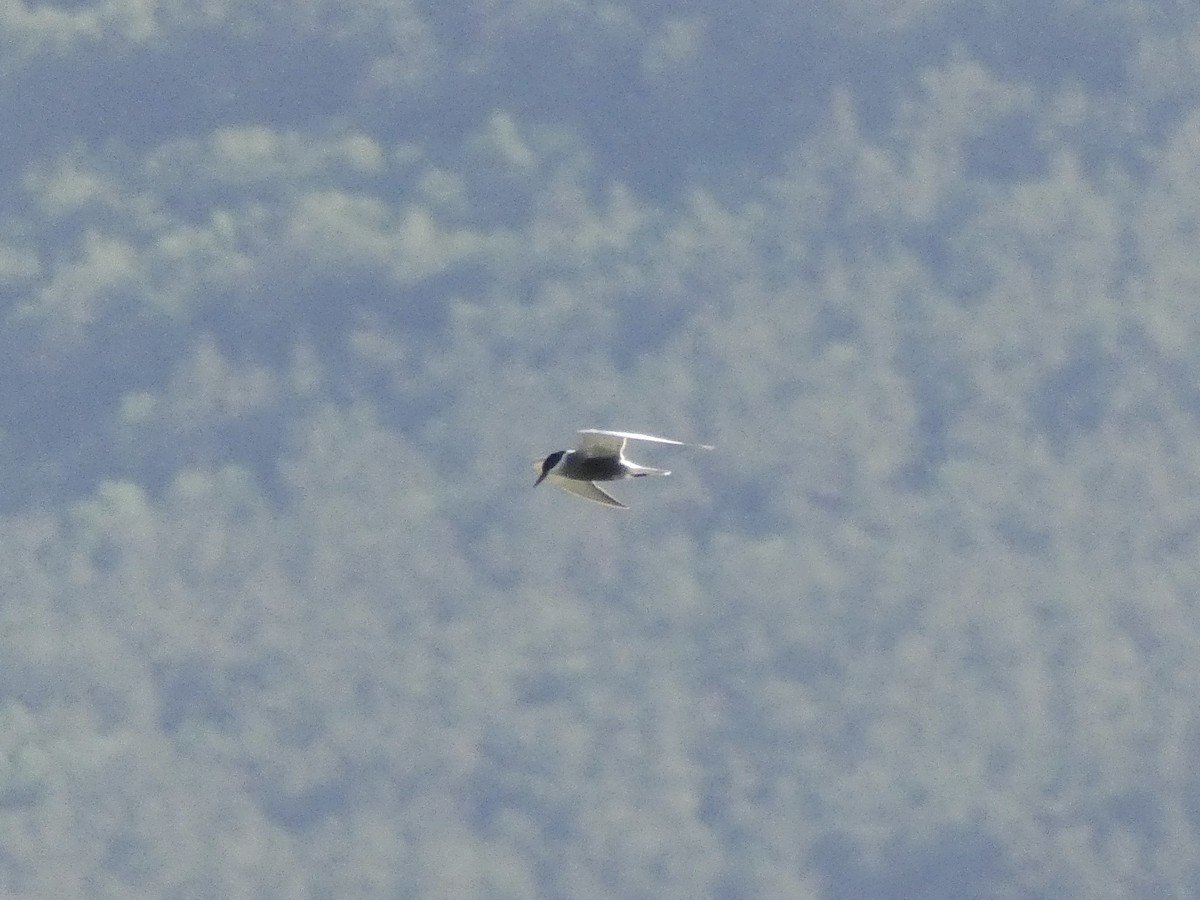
[597,441]
[587,491]
[600,443]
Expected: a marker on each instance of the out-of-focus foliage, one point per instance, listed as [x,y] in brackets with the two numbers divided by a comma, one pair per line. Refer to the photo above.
[292,298]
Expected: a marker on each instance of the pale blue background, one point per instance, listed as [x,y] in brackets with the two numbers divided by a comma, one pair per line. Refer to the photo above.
[293,294]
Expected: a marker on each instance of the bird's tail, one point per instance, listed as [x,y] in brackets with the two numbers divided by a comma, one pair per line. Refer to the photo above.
[638,471]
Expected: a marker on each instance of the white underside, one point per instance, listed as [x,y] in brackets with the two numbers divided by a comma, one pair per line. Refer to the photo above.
[587,490]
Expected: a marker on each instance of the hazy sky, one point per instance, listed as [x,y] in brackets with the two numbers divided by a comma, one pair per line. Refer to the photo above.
[294,294]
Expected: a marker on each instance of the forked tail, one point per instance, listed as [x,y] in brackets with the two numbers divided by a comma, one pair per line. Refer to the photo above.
[639,471]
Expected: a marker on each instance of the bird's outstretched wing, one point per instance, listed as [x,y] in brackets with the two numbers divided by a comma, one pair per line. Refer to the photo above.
[587,490]
[599,442]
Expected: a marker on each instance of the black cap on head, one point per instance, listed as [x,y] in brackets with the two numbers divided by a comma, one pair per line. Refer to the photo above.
[549,463]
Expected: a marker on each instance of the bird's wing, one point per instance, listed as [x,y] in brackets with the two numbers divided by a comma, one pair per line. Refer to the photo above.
[600,443]
[588,491]
[597,441]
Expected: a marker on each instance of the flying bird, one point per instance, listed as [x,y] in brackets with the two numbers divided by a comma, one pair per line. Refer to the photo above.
[600,456]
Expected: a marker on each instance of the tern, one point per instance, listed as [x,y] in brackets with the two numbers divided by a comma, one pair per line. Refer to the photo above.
[600,456]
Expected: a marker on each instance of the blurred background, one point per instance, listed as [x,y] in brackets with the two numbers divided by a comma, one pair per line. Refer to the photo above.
[292,295]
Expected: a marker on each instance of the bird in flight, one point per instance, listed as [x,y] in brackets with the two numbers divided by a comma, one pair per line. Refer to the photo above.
[600,456]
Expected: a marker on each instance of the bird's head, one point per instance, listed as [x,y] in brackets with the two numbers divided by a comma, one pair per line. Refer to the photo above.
[546,466]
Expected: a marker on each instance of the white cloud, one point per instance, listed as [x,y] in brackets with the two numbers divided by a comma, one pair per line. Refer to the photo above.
[82,291]
[504,137]
[338,230]
[676,47]
[209,386]
[30,30]
[1166,226]
[136,21]
[69,186]
[263,154]
[206,387]
[121,511]
[18,265]
[445,190]
[425,247]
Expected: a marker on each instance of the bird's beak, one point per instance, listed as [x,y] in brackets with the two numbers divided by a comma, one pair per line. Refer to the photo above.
[539,479]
